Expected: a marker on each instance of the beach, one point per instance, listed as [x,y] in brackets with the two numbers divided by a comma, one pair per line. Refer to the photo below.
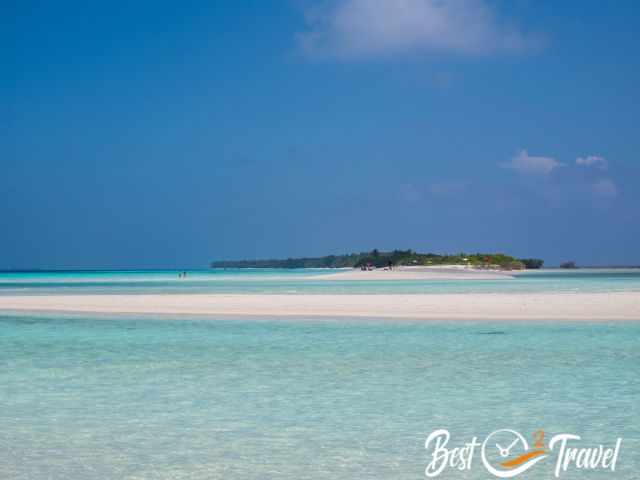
[422,293]
[449,272]
[485,306]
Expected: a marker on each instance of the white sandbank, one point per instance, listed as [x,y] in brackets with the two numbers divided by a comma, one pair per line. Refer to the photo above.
[468,306]
[450,272]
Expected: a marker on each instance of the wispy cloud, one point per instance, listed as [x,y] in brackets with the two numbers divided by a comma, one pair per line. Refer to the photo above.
[593,161]
[370,28]
[412,193]
[605,187]
[585,177]
[448,188]
[529,164]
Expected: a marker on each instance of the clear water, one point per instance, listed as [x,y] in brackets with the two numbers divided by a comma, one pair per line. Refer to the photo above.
[304,281]
[89,397]
[98,398]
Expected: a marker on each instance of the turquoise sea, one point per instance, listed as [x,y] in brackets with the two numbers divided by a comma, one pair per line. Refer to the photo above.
[303,281]
[93,397]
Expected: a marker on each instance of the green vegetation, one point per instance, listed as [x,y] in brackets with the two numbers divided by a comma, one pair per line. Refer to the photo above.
[570,264]
[377,258]
[532,263]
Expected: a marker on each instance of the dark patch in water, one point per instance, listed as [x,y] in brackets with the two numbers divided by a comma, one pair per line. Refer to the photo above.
[492,333]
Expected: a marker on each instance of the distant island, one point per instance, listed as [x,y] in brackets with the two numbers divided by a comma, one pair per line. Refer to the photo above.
[378,259]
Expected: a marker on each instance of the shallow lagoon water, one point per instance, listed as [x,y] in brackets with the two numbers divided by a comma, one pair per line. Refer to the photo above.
[302,281]
[143,398]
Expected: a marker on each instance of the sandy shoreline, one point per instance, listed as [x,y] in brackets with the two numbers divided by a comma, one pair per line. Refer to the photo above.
[489,306]
[418,273]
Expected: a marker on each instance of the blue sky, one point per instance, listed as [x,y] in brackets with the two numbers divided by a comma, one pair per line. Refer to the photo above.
[166,134]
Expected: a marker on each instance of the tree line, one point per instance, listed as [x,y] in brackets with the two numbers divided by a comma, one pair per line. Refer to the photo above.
[376,258]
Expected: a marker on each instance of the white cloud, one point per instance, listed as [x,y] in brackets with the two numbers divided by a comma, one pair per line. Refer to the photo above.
[605,187]
[525,163]
[593,161]
[367,28]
